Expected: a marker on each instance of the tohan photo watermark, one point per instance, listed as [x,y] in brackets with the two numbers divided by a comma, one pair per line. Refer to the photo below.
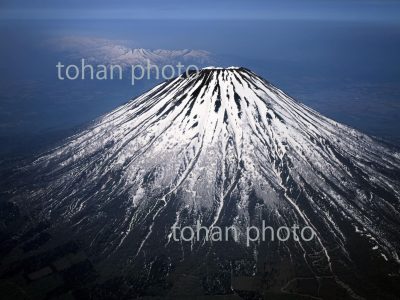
[252,233]
[86,71]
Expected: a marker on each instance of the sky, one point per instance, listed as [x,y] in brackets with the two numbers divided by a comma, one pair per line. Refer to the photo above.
[352,10]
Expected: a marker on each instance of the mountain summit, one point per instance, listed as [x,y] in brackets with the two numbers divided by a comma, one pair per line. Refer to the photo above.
[225,147]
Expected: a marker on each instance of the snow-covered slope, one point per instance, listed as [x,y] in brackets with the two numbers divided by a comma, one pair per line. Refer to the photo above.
[225,147]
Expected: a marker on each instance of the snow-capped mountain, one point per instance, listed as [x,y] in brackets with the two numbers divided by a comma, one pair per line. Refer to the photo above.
[225,147]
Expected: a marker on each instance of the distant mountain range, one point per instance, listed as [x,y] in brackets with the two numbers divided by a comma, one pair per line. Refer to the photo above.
[103,51]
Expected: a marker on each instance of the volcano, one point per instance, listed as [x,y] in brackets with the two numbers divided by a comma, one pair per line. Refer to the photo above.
[222,147]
